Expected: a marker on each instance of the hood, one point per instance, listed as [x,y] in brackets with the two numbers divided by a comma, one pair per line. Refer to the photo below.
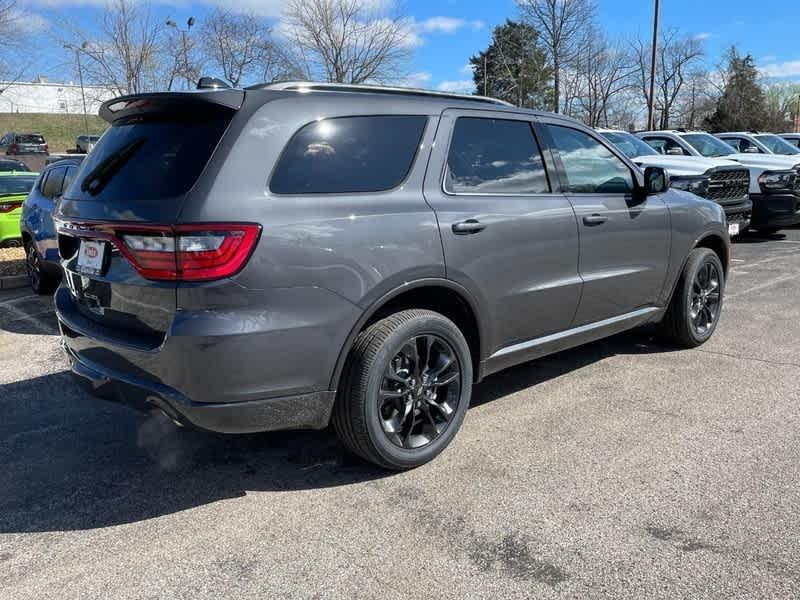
[683,166]
[766,161]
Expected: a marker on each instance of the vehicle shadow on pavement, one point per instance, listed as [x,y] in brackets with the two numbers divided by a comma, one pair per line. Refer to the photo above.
[757,237]
[73,462]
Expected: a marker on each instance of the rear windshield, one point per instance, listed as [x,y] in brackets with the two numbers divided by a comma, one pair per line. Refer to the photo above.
[349,155]
[30,139]
[147,160]
[16,185]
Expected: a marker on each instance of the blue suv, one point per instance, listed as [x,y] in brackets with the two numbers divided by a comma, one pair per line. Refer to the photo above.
[36,224]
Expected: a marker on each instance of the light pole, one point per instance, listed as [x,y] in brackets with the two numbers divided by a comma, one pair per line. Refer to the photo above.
[189,24]
[651,101]
[78,51]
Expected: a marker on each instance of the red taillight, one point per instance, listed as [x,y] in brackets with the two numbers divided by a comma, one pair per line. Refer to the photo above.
[200,252]
[46,148]
[13,148]
[7,207]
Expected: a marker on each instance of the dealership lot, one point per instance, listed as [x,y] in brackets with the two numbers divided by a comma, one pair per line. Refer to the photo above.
[621,468]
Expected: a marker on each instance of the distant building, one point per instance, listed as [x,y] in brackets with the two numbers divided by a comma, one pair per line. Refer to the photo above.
[41,96]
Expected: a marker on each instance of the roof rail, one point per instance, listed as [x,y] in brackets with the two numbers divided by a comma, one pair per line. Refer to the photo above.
[309,86]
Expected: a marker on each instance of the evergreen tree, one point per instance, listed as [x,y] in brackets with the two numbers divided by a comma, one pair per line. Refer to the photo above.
[516,67]
[742,106]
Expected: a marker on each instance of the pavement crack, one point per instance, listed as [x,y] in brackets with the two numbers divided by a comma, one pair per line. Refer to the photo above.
[776,363]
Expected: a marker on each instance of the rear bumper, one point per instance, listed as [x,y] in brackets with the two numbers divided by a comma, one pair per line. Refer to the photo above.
[775,210]
[306,411]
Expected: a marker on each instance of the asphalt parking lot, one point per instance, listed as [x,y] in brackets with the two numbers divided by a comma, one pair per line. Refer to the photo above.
[620,469]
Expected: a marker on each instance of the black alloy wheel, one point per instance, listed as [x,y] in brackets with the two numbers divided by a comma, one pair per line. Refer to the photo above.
[420,391]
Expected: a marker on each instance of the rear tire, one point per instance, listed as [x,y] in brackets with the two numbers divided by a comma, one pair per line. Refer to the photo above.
[41,282]
[696,304]
[406,388]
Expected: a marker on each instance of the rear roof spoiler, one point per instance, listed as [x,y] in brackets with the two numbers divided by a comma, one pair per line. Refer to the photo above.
[166,102]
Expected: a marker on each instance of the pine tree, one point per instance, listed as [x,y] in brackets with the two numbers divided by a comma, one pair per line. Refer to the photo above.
[516,66]
[742,106]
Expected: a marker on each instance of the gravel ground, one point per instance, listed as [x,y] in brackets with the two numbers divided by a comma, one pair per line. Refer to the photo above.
[622,469]
[12,261]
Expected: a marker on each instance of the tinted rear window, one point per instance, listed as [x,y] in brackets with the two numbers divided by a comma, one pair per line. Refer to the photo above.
[348,155]
[147,160]
[30,139]
[16,185]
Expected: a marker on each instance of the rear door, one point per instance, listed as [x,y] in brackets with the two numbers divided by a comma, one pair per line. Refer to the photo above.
[508,236]
[624,241]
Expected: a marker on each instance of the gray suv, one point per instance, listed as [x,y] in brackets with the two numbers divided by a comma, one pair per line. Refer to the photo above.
[293,255]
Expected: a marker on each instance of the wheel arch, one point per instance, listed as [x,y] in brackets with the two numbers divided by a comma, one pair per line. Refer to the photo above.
[440,295]
[714,241]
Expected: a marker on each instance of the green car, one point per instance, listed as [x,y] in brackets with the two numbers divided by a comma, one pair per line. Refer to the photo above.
[14,188]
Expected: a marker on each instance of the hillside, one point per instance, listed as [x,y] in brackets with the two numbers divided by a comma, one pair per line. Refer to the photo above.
[60,131]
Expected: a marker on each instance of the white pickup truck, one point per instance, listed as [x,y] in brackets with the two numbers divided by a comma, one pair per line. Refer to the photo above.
[723,181]
[755,142]
[774,179]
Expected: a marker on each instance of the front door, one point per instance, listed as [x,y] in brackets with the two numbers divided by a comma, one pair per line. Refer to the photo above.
[624,242]
[510,241]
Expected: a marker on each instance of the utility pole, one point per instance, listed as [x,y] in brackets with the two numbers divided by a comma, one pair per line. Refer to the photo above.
[797,116]
[80,79]
[651,101]
[485,75]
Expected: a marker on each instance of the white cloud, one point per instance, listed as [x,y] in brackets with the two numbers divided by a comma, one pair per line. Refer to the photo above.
[789,68]
[447,25]
[459,86]
[30,22]
[416,80]
[703,35]
[466,69]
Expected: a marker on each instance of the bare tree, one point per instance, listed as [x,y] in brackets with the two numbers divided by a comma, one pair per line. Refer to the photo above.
[602,72]
[564,26]
[677,57]
[347,41]
[14,52]
[239,45]
[122,54]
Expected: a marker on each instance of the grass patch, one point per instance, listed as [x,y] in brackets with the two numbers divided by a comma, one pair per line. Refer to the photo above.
[60,131]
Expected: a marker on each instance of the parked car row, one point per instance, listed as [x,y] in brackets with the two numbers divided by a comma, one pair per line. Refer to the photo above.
[767,166]
[413,243]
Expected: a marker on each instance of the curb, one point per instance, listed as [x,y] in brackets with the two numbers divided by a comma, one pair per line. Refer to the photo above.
[10,282]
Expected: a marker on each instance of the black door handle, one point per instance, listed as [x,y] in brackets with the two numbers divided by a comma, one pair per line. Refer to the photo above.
[594,219]
[467,227]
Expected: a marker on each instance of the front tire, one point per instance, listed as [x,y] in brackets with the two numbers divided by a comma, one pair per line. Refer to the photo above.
[696,304]
[406,388]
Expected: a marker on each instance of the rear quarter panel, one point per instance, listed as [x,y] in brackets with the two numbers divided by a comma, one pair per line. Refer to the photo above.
[322,259]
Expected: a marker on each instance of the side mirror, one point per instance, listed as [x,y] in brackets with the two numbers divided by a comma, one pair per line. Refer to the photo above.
[674,151]
[656,180]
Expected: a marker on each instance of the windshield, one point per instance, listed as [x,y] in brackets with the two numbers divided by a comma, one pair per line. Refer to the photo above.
[709,146]
[777,145]
[630,145]
[12,186]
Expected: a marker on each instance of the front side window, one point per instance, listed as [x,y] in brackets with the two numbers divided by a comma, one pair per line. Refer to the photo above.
[709,146]
[494,156]
[349,155]
[664,145]
[590,167]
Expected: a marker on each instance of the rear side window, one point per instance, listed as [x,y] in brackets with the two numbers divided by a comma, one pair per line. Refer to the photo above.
[70,175]
[54,183]
[148,160]
[590,167]
[349,155]
[494,156]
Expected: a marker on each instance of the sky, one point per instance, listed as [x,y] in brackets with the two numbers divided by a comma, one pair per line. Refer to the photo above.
[447,32]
